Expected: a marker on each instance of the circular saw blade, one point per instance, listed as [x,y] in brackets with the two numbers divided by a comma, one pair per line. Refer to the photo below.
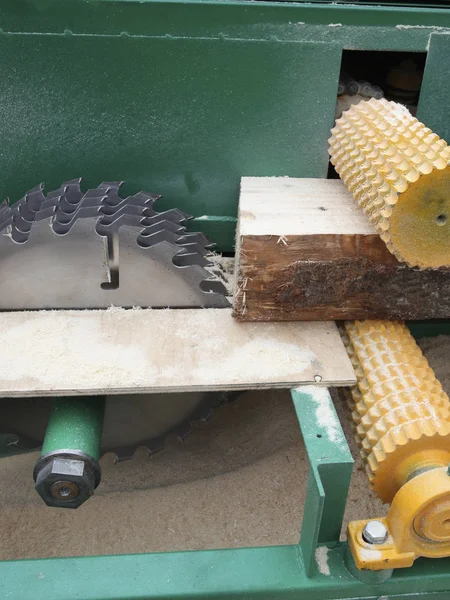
[70,250]
[131,421]
[95,249]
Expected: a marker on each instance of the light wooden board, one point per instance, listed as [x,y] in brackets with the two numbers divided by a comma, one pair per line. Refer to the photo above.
[289,206]
[132,351]
[306,251]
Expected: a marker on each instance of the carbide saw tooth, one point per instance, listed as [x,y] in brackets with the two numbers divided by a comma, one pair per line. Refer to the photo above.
[63,223]
[31,203]
[197,237]
[37,207]
[191,258]
[139,212]
[165,235]
[173,214]
[69,208]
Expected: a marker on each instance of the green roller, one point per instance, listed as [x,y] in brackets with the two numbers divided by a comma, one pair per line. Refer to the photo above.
[75,424]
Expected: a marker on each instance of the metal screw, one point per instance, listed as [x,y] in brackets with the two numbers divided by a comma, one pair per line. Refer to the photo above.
[64,490]
[375,532]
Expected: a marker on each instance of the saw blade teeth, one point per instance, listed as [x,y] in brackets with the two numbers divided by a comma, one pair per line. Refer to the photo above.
[105,226]
[173,214]
[214,286]
[36,206]
[165,235]
[127,210]
[193,247]
[110,210]
[70,190]
[197,237]
[63,223]
[189,259]
[147,197]
[113,186]
[69,208]
[111,191]
[32,201]
[180,431]
[146,241]
[25,422]
[26,208]
[154,244]
[163,226]
[19,237]
[111,206]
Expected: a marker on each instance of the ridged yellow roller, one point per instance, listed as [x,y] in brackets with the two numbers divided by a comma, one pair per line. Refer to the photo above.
[398,171]
[400,411]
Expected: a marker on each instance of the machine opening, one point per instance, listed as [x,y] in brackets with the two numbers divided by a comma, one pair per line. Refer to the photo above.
[395,76]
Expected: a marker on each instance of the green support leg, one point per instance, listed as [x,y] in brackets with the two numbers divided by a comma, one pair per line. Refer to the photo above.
[68,471]
[330,471]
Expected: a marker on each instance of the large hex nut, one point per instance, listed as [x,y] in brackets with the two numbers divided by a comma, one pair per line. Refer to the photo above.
[65,482]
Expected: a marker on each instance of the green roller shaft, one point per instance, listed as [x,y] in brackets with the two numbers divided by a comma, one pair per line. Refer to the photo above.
[75,424]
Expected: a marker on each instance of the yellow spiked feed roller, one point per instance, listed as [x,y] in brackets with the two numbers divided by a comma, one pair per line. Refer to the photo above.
[398,171]
[402,419]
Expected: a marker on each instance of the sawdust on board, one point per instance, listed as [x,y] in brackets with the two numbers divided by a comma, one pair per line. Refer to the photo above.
[103,354]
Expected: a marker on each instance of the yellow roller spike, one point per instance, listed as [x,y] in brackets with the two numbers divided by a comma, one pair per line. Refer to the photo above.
[398,171]
[402,423]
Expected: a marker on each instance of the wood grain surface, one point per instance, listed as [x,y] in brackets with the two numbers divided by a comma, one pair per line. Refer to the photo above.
[306,251]
[117,351]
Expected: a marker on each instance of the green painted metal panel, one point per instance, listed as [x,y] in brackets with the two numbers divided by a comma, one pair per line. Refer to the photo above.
[421,329]
[185,118]
[365,27]
[435,91]
[275,573]
[182,98]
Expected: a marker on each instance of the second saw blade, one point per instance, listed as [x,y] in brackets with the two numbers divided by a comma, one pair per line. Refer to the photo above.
[131,421]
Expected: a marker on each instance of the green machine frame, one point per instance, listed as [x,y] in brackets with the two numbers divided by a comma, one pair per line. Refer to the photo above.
[184,98]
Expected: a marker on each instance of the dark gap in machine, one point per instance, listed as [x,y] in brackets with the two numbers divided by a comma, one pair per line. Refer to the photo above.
[365,74]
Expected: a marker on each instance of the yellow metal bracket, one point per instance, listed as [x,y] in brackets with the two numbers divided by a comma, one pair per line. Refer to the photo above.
[418,524]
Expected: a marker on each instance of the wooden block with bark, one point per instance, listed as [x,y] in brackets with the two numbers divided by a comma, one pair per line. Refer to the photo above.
[306,251]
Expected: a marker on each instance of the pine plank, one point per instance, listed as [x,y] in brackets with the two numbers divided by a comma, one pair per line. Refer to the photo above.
[116,351]
[306,251]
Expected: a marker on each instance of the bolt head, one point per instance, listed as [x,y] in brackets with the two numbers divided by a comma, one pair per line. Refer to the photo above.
[375,532]
[65,482]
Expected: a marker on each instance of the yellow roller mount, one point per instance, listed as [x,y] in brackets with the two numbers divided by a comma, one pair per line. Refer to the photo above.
[398,171]
[402,424]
